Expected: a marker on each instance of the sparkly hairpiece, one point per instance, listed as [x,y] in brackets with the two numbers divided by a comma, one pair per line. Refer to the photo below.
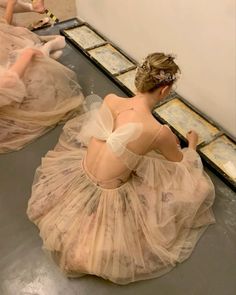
[163,76]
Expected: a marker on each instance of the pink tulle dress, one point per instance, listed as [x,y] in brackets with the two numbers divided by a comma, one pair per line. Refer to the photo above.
[47,94]
[135,225]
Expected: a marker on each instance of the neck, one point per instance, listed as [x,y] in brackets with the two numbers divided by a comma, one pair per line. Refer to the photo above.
[149,100]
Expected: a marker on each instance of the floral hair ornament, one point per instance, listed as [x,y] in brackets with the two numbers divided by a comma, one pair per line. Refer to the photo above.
[166,77]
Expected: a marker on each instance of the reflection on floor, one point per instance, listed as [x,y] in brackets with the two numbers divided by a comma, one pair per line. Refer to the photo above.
[24,267]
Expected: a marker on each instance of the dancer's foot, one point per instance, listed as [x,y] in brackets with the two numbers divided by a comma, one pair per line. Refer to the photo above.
[56,54]
[59,43]
[38,6]
[39,24]
[54,45]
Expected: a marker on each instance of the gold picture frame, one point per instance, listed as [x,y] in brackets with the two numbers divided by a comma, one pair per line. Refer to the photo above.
[222,153]
[183,119]
[127,79]
[85,37]
[111,59]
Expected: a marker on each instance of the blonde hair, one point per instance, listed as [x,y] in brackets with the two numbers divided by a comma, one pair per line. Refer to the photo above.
[157,70]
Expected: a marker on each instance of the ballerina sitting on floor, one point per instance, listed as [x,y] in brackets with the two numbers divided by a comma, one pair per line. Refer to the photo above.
[117,198]
[35,99]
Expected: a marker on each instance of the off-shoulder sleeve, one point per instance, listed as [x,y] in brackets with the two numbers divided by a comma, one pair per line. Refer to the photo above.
[156,170]
[12,88]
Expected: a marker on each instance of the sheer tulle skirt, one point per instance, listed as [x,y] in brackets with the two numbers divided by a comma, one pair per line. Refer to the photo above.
[47,94]
[50,95]
[137,231]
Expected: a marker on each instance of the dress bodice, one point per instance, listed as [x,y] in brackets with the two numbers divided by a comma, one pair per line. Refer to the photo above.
[101,125]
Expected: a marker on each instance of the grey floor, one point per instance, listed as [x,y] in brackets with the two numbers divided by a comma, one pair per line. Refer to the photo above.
[24,267]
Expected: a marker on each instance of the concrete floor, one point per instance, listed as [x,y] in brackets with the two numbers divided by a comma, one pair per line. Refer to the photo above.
[24,267]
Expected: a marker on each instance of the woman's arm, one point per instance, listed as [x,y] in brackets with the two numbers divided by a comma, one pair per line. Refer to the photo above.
[24,60]
[169,146]
[9,11]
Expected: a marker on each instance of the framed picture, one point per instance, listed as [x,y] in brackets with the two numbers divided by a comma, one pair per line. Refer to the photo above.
[127,79]
[85,37]
[106,56]
[111,59]
[183,119]
[221,153]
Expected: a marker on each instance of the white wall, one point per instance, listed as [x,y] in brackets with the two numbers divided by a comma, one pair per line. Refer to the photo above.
[201,32]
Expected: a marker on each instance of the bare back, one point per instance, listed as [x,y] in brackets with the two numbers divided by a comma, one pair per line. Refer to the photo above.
[101,162]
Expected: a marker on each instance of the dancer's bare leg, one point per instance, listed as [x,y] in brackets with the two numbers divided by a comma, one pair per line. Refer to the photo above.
[21,6]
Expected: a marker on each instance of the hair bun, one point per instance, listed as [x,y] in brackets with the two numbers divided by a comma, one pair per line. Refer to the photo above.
[157,70]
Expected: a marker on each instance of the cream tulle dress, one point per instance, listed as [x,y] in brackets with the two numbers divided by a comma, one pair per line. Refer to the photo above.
[132,227]
[47,94]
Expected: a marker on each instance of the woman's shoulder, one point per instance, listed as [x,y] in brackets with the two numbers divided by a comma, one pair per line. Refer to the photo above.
[114,102]
[152,122]
[113,98]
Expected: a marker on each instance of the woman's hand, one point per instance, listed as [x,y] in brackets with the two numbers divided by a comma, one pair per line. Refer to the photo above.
[24,59]
[192,138]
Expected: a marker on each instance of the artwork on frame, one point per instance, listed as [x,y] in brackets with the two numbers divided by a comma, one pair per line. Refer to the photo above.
[222,153]
[85,37]
[127,79]
[111,59]
[183,119]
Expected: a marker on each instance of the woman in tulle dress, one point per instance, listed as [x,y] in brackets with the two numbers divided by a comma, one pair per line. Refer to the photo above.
[117,197]
[36,92]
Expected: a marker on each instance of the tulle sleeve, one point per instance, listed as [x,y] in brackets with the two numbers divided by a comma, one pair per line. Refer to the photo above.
[12,89]
[156,170]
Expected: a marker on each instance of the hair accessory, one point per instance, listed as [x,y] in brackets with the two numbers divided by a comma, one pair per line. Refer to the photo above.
[165,77]
[144,67]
